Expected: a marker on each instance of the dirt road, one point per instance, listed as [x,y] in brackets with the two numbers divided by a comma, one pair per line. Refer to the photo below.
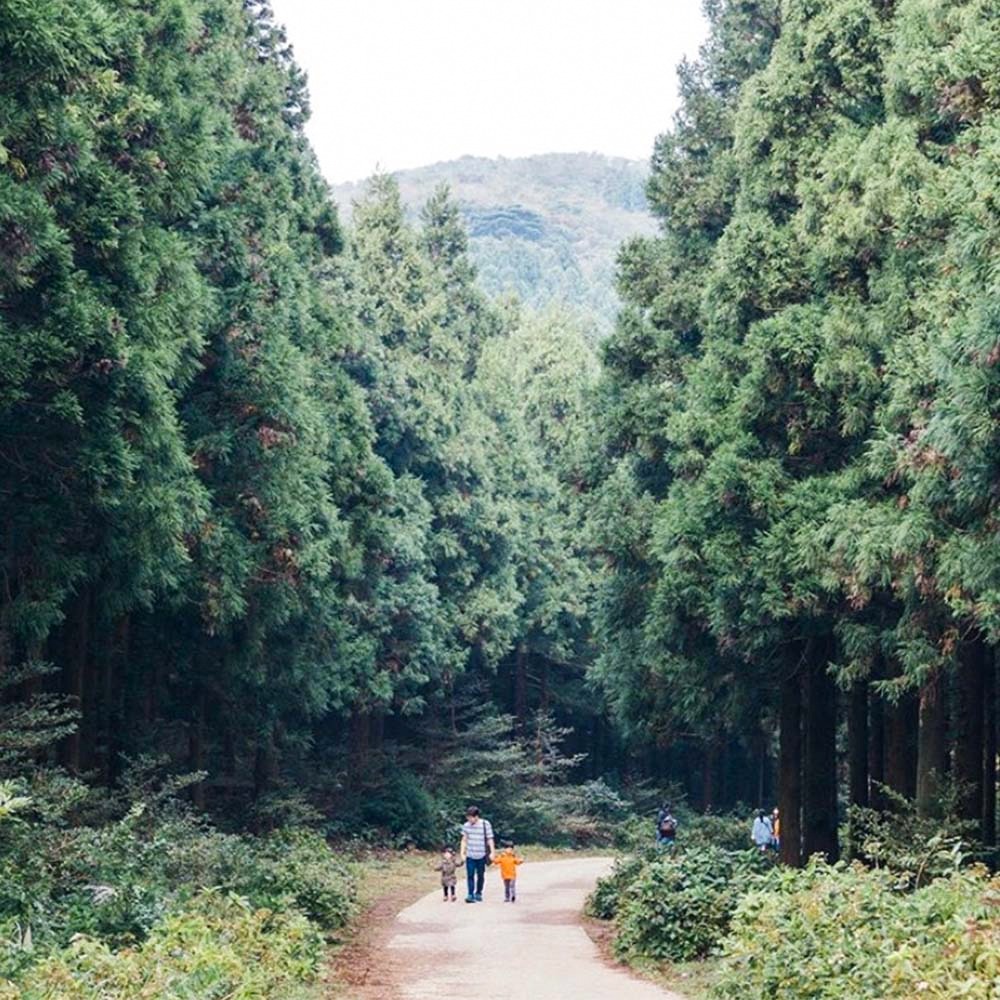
[534,949]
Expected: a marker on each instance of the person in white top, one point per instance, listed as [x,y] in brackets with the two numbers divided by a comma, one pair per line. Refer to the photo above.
[762,833]
[476,851]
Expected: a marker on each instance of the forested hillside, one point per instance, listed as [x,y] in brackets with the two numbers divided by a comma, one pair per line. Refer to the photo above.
[545,228]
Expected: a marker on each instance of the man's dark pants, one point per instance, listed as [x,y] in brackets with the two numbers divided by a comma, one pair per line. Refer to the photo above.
[475,873]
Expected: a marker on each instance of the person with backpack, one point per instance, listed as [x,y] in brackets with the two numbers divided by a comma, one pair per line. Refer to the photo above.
[666,827]
[476,851]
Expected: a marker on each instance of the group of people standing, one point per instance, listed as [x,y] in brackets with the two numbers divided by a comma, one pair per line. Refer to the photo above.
[766,832]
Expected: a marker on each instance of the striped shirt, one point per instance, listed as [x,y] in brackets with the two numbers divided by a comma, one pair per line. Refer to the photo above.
[476,837]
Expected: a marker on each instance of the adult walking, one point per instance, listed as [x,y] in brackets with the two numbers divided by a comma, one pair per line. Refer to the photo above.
[476,851]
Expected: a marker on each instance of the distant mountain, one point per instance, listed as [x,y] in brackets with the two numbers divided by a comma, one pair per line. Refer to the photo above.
[546,227]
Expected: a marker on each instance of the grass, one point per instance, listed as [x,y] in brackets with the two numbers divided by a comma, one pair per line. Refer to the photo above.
[691,979]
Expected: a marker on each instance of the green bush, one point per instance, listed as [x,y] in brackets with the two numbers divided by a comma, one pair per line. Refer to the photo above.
[839,932]
[216,947]
[603,901]
[295,868]
[118,883]
[730,832]
[916,847]
[679,906]
[406,810]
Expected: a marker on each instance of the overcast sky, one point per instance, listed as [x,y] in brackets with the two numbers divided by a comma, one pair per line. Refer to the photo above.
[404,83]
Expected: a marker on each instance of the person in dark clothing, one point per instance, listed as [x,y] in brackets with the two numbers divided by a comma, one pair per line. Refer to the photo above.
[666,826]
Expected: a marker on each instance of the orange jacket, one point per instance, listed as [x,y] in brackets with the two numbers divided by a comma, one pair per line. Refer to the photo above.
[507,864]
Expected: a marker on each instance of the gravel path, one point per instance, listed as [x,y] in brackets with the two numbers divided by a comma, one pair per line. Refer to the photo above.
[534,949]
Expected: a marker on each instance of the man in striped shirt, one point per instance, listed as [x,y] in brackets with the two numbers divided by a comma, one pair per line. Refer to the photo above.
[477,851]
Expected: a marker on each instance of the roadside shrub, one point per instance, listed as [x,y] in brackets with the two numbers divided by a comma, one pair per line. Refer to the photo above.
[604,900]
[295,868]
[729,831]
[848,932]
[217,947]
[404,808]
[916,847]
[678,906]
[116,883]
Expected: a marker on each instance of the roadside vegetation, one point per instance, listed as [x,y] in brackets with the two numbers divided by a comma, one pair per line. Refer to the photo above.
[915,915]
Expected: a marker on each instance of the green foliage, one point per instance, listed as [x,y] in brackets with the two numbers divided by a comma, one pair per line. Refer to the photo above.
[838,932]
[295,869]
[215,947]
[680,904]
[610,891]
[124,882]
[914,847]
[405,808]
[729,832]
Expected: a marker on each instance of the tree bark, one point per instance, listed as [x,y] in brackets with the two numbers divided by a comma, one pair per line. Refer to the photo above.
[196,747]
[77,650]
[265,764]
[969,742]
[710,766]
[990,753]
[876,752]
[359,737]
[932,751]
[902,723]
[790,769]
[819,825]
[521,686]
[857,743]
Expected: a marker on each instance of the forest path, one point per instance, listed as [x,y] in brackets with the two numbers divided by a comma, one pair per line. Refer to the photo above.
[534,949]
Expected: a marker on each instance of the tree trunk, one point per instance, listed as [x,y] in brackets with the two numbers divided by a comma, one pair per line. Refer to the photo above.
[77,648]
[790,770]
[902,723]
[710,766]
[857,743]
[876,751]
[360,732]
[969,742]
[521,686]
[265,764]
[990,754]
[820,779]
[196,747]
[112,695]
[932,751]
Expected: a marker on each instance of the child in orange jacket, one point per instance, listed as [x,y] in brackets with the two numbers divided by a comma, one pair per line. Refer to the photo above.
[507,861]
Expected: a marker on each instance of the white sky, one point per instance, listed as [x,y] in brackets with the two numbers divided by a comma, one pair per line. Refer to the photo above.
[404,83]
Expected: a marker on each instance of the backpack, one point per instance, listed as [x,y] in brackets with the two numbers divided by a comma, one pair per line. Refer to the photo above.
[668,826]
